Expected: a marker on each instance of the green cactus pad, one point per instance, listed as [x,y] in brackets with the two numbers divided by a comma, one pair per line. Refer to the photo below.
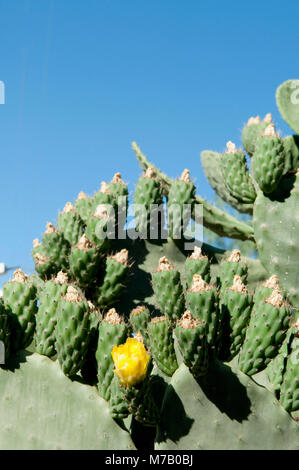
[212,167]
[181,198]
[266,332]
[251,132]
[69,222]
[112,332]
[162,345]
[236,175]
[287,99]
[223,410]
[276,227]
[19,296]
[236,305]
[43,410]
[268,161]
[72,331]
[168,290]
[46,316]
[192,344]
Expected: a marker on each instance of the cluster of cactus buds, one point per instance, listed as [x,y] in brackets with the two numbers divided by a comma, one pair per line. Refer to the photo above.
[221,320]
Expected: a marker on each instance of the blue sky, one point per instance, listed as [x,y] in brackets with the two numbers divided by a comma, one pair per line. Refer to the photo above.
[83,79]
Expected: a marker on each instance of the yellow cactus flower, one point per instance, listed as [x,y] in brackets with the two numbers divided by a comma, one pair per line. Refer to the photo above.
[130,360]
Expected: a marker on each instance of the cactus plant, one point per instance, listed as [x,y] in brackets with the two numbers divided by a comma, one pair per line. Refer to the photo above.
[148,337]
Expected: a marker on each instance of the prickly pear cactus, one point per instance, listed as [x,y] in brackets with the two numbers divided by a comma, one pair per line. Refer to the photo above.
[139,328]
[287,98]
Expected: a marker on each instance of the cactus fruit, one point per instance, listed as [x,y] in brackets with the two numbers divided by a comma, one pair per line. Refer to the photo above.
[84,261]
[252,130]
[46,316]
[236,175]
[112,332]
[168,289]
[72,331]
[4,330]
[202,302]
[119,191]
[83,206]
[140,317]
[44,265]
[99,226]
[19,296]
[181,197]
[56,247]
[276,367]
[117,269]
[136,400]
[214,218]
[289,390]
[265,334]
[193,344]
[162,344]
[70,224]
[117,186]
[231,267]
[197,263]
[103,197]
[268,161]
[236,305]
[173,374]
[264,290]
[212,167]
[132,367]
[148,201]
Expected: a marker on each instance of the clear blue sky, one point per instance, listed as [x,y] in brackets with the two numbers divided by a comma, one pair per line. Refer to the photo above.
[85,78]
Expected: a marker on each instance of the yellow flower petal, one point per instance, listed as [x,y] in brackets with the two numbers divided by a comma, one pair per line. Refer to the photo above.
[131,361]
